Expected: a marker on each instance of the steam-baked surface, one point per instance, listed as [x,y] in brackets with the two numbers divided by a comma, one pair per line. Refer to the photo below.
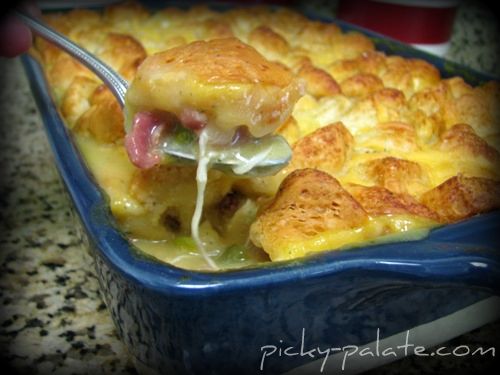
[382,144]
[226,80]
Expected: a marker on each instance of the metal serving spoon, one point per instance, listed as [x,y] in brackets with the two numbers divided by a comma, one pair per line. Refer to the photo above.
[233,158]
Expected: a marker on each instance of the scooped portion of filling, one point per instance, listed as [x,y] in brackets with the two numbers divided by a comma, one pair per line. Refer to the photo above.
[221,91]
[152,130]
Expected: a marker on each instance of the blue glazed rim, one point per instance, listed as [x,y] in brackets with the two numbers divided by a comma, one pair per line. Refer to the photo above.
[464,252]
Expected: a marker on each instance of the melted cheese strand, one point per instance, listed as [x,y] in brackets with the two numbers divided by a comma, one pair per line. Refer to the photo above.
[248,164]
[201,184]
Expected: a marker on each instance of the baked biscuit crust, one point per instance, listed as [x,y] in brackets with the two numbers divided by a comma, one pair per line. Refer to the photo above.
[461,197]
[226,80]
[308,204]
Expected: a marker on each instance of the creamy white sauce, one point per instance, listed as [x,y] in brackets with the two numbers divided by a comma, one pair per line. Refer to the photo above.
[248,164]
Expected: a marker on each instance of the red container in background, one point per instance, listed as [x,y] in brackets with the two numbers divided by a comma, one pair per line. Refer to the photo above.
[425,24]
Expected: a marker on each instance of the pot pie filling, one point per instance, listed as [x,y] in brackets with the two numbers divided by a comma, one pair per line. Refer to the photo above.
[384,149]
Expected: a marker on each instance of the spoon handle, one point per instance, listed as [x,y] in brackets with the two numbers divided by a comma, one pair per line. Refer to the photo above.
[111,78]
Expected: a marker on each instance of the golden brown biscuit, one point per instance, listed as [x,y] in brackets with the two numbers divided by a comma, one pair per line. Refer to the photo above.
[319,83]
[76,99]
[266,40]
[453,101]
[225,80]
[397,175]
[361,85]
[389,136]
[104,119]
[63,71]
[390,105]
[308,204]
[479,108]
[123,52]
[462,138]
[377,200]
[369,62]
[126,15]
[70,23]
[327,149]
[460,197]
[216,29]
[408,75]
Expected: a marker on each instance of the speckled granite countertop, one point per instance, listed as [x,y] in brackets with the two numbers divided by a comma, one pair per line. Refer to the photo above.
[52,318]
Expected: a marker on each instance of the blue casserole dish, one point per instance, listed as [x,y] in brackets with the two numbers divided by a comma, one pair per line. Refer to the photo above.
[269,319]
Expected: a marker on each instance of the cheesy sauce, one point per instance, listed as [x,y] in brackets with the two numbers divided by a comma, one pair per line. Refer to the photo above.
[378,230]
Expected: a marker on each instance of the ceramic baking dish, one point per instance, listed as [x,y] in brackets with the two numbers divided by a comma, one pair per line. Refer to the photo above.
[268,319]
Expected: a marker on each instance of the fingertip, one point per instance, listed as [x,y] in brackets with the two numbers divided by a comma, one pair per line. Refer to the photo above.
[15,37]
